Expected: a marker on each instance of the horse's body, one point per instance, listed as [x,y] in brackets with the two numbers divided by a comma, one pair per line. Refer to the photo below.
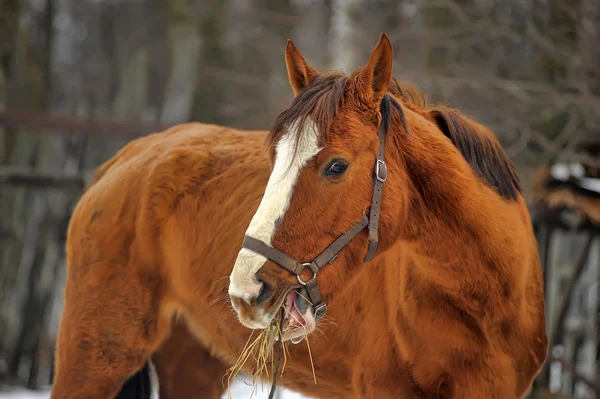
[452,309]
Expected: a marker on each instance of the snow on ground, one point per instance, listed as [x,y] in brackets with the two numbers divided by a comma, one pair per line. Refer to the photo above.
[25,394]
[239,390]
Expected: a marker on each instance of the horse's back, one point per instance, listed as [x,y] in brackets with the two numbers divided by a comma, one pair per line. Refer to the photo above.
[145,177]
[118,224]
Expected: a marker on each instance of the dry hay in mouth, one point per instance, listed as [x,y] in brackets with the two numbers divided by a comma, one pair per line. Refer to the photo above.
[261,351]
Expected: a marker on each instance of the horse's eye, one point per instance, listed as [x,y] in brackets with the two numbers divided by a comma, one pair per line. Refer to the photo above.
[336,168]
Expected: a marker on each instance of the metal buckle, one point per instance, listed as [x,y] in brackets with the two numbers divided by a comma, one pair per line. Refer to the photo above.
[304,282]
[320,311]
[381,171]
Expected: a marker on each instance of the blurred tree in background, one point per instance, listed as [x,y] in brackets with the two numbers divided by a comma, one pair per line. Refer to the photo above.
[529,69]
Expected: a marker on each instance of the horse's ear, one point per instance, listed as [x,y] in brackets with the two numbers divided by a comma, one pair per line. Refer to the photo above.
[374,79]
[299,72]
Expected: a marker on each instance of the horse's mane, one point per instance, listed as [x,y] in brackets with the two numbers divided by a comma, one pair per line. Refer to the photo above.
[478,145]
[322,98]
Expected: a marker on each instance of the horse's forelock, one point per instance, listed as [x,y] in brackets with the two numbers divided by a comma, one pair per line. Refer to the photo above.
[320,102]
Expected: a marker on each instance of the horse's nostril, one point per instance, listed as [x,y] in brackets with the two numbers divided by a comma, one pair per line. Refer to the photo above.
[265,292]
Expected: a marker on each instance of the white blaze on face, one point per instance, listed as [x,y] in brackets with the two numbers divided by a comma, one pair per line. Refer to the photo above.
[276,200]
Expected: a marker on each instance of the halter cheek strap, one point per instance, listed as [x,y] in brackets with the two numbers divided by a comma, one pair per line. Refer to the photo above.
[381,174]
[330,254]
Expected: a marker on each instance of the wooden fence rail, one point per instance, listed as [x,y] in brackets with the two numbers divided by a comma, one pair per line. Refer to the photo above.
[14,176]
[67,125]
[41,122]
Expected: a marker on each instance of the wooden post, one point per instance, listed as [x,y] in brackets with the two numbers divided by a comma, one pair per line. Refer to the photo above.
[545,230]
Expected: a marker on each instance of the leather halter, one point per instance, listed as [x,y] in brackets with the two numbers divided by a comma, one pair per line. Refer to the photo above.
[330,254]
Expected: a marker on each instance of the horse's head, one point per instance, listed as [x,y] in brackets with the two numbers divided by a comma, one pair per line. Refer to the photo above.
[324,150]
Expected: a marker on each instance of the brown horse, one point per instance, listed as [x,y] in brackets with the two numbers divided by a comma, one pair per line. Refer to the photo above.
[450,306]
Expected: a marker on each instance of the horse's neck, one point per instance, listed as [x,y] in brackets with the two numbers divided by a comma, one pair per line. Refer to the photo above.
[459,237]
[449,208]
[463,272]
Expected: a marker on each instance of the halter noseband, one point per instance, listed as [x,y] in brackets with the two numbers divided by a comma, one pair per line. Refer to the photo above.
[330,254]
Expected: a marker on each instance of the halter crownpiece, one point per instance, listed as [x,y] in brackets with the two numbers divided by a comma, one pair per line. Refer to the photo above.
[330,254]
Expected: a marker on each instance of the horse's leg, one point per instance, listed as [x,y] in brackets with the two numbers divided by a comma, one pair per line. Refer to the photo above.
[186,369]
[111,324]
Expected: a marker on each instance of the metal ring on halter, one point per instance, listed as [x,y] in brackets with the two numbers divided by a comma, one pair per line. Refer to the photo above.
[304,282]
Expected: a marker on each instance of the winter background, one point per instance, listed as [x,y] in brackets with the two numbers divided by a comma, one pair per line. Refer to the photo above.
[80,78]
[238,391]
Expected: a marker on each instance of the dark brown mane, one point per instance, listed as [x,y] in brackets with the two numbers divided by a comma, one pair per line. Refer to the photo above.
[481,150]
[409,94]
[322,98]
[320,101]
